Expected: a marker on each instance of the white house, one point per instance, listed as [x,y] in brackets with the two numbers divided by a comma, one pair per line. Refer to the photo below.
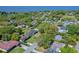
[62,29]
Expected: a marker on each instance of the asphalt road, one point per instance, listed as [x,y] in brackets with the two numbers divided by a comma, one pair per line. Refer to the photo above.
[31,48]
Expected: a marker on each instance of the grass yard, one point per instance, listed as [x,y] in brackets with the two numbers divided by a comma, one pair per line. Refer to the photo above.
[34,38]
[41,49]
[25,30]
[68,50]
[17,50]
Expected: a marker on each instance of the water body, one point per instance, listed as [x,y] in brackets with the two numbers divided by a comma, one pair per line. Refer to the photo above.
[36,8]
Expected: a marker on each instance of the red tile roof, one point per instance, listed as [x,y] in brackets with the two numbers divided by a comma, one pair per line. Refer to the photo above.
[8,45]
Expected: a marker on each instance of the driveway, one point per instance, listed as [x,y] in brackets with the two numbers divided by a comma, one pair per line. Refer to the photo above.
[29,49]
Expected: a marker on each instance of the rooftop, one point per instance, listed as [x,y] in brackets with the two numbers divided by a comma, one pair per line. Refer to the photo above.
[57,45]
[58,37]
[8,45]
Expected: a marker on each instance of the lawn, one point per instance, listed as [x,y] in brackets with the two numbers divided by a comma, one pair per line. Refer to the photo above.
[17,50]
[25,30]
[68,50]
[34,38]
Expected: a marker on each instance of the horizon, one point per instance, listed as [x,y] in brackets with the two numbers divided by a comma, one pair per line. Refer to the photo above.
[36,8]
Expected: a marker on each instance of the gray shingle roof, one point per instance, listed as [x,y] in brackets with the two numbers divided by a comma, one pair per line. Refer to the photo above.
[58,37]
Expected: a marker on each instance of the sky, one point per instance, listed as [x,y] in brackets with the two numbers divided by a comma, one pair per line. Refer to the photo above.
[36,8]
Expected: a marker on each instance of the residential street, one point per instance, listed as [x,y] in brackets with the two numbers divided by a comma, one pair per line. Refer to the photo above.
[30,48]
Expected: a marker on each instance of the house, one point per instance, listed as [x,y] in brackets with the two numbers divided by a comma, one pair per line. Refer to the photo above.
[33,17]
[23,38]
[62,29]
[74,21]
[65,23]
[32,32]
[58,37]
[7,46]
[29,34]
[33,23]
[71,14]
[12,21]
[54,50]
[21,25]
[55,47]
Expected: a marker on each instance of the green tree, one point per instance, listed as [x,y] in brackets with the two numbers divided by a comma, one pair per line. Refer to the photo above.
[67,49]
[47,28]
[15,36]
[68,18]
[69,40]
[6,37]
[45,41]
[73,29]
[48,31]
